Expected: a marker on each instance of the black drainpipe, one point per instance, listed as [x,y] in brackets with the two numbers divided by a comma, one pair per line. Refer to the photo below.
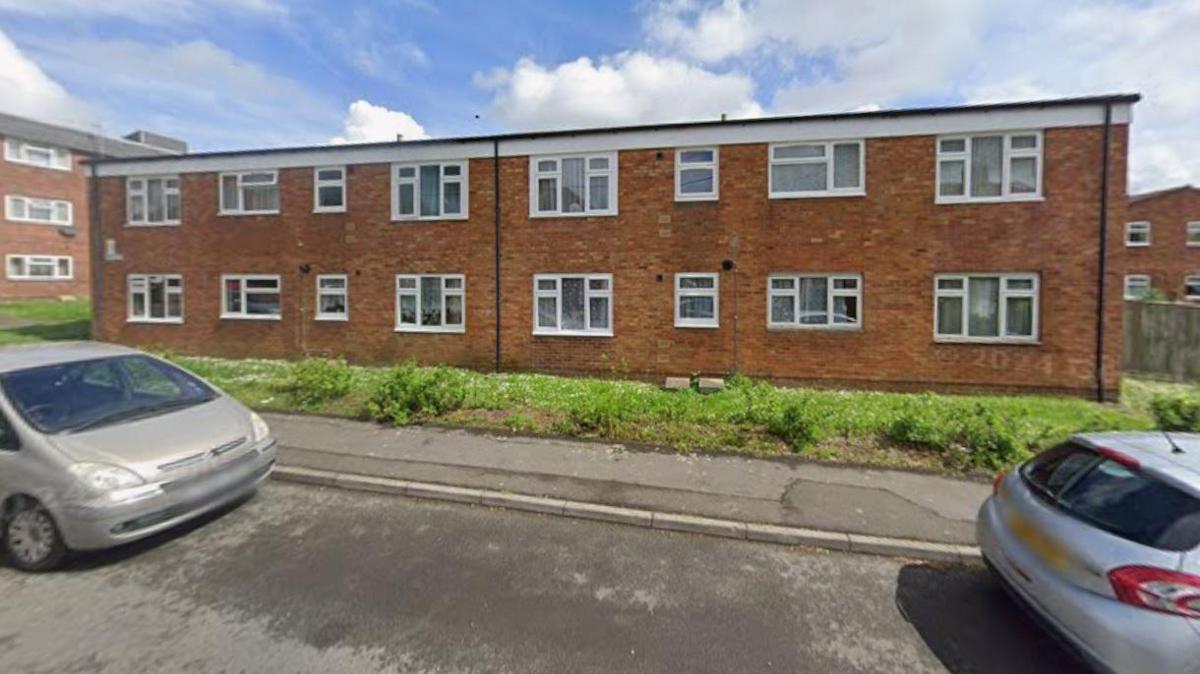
[96,252]
[496,203]
[1103,266]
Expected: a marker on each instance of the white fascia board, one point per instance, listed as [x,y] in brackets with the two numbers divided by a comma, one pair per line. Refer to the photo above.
[731,133]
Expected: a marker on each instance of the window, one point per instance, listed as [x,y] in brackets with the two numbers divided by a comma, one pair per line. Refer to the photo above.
[153,201]
[996,167]
[1191,288]
[577,185]
[254,296]
[39,211]
[1193,233]
[155,298]
[329,189]
[826,169]
[573,304]
[1137,234]
[1136,286]
[37,155]
[430,302]
[814,301]
[986,307]
[250,193]
[434,191]
[333,297]
[697,300]
[39,267]
[696,175]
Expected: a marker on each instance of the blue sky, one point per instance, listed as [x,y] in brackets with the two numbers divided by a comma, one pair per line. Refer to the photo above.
[254,73]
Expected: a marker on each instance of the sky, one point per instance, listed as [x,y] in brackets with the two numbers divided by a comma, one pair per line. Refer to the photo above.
[230,74]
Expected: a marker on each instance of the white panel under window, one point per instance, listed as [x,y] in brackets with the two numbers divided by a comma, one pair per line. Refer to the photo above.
[829,301]
[578,185]
[829,168]
[430,191]
[986,307]
[697,300]
[155,298]
[573,304]
[431,303]
[989,167]
[152,200]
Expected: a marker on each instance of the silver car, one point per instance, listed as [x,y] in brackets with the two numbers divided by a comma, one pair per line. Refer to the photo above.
[1100,538]
[101,445]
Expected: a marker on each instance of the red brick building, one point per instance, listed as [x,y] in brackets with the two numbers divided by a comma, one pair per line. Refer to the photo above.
[44,233]
[1162,244]
[952,248]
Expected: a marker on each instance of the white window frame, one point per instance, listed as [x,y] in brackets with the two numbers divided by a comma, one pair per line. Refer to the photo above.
[1005,294]
[318,183]
[1139,226]
[1191,279]
[588,172]
[144,192]
[42,259]
[17,151]
[714,292]
[830,294]
[241,194]
[1008,153]
[147,279]
[52,204]
[343,292]
[828,160]
[1143,279]
[415,291]
[462,179]
[588,294]
[714,166]
[1191,233]
[242,315]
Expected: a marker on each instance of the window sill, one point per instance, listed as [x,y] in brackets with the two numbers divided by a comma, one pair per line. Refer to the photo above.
[43,223]
[155,321]
[332,319]
[451,218]
[701,326]
[239,213]
[780,327]
[589,214]
[1138,245]
[815,195]
[946,201]
[692,198]
[330,210]
[63,169]
[433,331]
[994,341]
[250,317]
[36,279]
[151,225]
[572,333]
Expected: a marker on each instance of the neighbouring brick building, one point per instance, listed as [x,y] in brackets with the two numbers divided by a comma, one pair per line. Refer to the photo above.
[950,248]
[44,233]
[1162,244]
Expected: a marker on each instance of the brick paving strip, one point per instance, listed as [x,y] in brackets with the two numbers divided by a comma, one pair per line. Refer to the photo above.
[862,510]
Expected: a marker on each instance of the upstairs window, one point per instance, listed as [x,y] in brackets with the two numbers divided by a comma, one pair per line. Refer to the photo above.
[329,189]
[814,301]
[1137,286]
[993,167]
[38,211]
[697,300]
[429,191]
[573,304]
[696,176]
[1137,234]
[986,307]
[430,302]
[333,297]
[250,193]
[153,201]
[39,267]
[45,156]
[255,296]
[573,185]
[155,298]
[1193,233]
[823,169]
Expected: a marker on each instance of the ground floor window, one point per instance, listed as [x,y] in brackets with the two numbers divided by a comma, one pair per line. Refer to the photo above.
[697,300]
[573,304]
[986,307]
[1136,286]
[155,298]
[333,297]
[39,267]
[1191,288]
[255,296]
[814,301]
[430,302]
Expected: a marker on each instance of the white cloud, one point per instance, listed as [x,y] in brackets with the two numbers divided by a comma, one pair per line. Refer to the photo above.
[141,11]
[630,87]
[367,123]
[29,92]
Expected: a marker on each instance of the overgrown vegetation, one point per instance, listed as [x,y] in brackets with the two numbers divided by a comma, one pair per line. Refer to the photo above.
[941,432]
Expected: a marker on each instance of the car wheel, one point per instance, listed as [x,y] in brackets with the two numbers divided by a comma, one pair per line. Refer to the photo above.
[32,538]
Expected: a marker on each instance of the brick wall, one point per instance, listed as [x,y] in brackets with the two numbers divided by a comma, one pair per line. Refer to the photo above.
[1168,259]
[895,237]
[24,238]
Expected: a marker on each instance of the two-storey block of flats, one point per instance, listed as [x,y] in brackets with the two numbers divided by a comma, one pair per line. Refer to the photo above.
[1162,244]
[959,248]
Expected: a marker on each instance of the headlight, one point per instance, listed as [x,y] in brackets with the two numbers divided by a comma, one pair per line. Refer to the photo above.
[258,428]
[104,478]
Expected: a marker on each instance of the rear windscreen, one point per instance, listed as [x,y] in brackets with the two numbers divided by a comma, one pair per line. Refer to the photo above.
[1122,501]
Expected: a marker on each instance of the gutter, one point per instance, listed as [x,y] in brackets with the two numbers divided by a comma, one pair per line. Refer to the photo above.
[1103,266]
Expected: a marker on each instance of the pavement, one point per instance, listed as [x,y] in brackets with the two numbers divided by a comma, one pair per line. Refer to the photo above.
[308,579]
[792,493]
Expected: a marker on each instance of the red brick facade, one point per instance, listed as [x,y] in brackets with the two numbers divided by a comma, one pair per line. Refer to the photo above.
[896,237]
[1168,260]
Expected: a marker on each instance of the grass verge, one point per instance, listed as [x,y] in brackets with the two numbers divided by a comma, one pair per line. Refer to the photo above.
[23,321]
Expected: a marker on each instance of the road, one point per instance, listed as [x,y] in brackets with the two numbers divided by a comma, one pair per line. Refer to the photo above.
[302,579]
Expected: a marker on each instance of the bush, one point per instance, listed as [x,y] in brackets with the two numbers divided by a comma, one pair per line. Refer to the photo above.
[316,380]
[1176,412]
[407,391]
[795,424]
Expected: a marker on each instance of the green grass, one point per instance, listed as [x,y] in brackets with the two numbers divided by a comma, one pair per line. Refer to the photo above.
[44,320]
[939,432]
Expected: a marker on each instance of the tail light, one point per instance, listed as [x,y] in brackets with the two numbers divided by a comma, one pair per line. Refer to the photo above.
[1157,589]
[997,482]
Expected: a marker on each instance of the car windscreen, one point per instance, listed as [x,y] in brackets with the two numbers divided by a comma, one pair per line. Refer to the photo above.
[81,395]
[1123,501]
